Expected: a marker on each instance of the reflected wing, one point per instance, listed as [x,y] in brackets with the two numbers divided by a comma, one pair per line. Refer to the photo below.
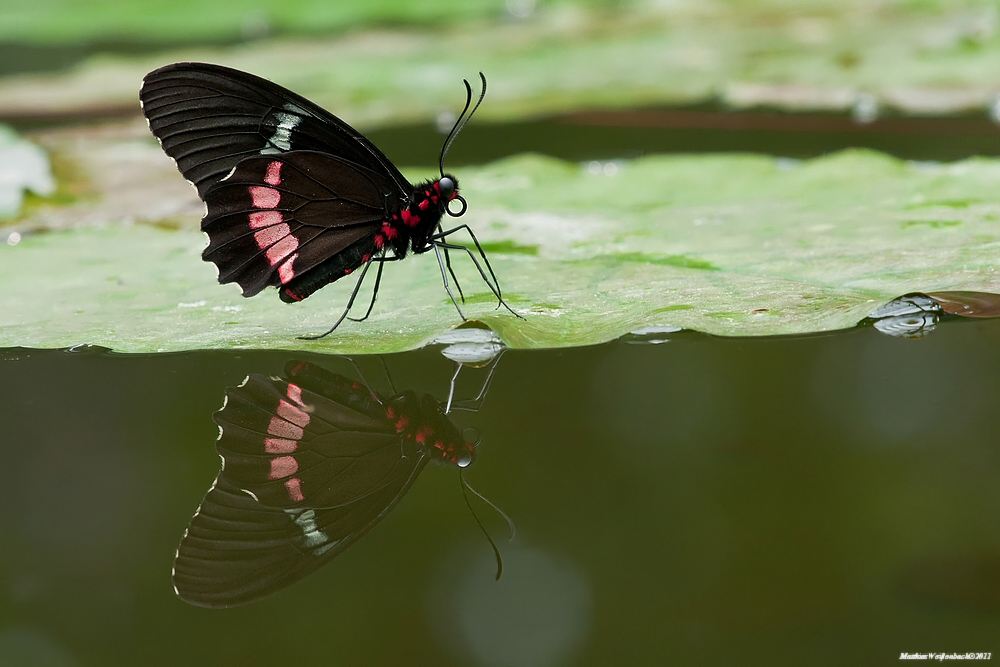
[309,467]
[277,217]
[208,118]
[318,441]
[236,551]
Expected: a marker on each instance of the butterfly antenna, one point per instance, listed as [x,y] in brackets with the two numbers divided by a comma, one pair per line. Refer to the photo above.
[496,552]
[459,123]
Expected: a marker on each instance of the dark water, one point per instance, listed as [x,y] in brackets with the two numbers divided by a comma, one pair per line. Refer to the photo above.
[829,499]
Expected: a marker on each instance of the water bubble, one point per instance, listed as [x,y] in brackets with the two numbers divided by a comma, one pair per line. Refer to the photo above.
[520,9]
[865,108]
[445,121]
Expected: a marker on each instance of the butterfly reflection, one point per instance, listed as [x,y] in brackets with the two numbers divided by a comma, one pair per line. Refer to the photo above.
[311,462]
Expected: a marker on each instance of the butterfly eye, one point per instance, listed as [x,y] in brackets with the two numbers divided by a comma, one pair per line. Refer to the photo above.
[447,187]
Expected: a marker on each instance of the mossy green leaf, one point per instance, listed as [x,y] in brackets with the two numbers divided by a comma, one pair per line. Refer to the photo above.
[726,244]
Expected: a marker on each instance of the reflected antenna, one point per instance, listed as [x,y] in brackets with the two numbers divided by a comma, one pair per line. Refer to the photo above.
[510,524]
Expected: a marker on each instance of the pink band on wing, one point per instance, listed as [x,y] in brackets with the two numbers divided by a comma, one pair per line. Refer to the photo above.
[260,219]
[291,413]
[286,272]
[294,392]
[283,466]
[273,176]
[279,446]
[283,429]
[266,237]
[282,248]
[294,488]
[264,197]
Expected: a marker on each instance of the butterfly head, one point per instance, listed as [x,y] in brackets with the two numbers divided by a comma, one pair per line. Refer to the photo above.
[448,187]
[441,439]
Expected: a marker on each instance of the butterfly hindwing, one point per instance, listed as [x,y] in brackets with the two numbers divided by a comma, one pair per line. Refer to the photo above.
[275,218]
[236,551]
[208,118]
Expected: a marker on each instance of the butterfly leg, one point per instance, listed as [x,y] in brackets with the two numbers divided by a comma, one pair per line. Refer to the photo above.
[444,279]
[440,236]
[493,288]
[447,262]
[473,404]
[350,303]
[378,279]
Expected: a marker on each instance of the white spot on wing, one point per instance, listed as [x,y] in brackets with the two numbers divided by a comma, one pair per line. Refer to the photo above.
[316,539]
[281,140]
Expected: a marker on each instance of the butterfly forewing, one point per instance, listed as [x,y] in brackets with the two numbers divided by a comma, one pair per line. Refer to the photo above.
[277,217]
[309,466]
[291,447]
[209,117]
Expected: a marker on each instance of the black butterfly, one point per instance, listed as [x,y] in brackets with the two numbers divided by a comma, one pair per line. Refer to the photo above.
[310,464]
[295,197]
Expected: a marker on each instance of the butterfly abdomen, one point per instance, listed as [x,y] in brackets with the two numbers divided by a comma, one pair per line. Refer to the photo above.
[409,228]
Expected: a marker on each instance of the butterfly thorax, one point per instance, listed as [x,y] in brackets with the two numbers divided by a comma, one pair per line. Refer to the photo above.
[412,226]
[423,423]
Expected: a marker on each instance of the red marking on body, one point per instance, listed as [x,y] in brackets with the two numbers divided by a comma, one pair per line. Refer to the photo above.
[401,423]
[424,204]
[410,219]
[389,231]
[437,186]
[280,446]
[283,429]
[379,241]
[292,413]
[365,258]
[294,488]
[264,197]
[283,466]
[437,443]
[423,432]
[260,219]
[390,413]
[434,198]
[273,176]
[282,248]
[286,271]
[293,296]
[347,272]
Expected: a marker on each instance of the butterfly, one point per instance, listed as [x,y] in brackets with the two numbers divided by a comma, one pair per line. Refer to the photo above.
[311,463]
[296,198]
